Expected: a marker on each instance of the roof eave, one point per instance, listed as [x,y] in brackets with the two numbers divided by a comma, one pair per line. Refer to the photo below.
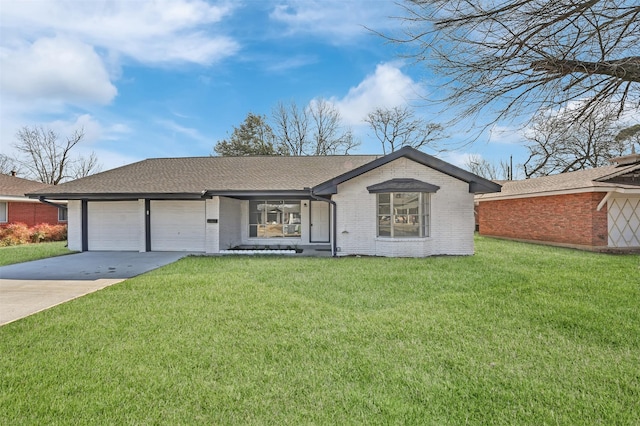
[476,183]
[248,194]
[581,190]
[116,196]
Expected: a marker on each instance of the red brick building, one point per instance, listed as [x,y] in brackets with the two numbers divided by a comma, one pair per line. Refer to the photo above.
[15,207]
[596,209]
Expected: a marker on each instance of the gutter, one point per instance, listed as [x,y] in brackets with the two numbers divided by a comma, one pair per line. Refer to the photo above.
[334,236]
[60,206]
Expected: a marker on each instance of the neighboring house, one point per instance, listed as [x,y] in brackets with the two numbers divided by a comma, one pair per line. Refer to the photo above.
[407,203]
[15,207]
[595,209]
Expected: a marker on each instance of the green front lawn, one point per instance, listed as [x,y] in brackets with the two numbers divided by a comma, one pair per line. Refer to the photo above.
[27,252]
[517,334]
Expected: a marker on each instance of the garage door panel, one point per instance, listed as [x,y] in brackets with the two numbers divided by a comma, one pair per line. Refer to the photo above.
[178,226]
[113,226]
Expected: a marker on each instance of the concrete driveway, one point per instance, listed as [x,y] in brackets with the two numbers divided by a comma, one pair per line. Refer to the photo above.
[30,287]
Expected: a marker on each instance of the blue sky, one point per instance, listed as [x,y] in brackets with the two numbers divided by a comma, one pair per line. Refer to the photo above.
[170,78]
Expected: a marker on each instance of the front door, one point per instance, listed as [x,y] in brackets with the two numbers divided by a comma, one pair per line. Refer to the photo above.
[319,222]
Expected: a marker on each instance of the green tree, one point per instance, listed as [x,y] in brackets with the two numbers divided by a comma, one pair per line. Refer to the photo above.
[253,137]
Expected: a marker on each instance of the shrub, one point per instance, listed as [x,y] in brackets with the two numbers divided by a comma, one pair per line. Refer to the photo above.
[47,232]
[18,233]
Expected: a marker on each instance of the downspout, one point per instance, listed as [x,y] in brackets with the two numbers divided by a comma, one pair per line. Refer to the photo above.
[334,232]
[60,206]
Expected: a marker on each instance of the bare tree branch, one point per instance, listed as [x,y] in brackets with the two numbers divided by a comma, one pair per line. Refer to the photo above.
[560,143]
[47,159]
[328,136]
[397,127]
[8,165]
[501,58]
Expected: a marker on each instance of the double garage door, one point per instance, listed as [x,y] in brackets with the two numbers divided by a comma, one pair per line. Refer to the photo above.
[120,226]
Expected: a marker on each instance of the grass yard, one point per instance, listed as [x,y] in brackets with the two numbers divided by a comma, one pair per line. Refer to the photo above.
[517,334]
[27,252]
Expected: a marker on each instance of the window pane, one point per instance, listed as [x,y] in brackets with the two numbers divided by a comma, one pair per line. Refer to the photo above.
[62,214]
[403,228]
[425,214]
[384,209]
[3,211]
[274,218]
[384,230]
[384,198]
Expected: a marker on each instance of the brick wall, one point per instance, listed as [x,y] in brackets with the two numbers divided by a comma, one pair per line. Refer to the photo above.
[32,214]
[566,219]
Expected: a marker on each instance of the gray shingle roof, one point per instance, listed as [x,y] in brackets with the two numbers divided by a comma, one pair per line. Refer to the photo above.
[18,187]
[571,181]
[196,174]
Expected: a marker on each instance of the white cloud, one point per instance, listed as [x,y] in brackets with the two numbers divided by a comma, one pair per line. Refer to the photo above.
[186,131]
[149,32]
[387,87]
[457,158]
[56,69]
[338,21]
[506,135]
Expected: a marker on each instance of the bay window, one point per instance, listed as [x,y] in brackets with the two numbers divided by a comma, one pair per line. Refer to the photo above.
[403,214]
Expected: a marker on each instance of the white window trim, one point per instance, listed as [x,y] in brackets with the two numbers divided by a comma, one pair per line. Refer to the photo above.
[60,209]
[6,212]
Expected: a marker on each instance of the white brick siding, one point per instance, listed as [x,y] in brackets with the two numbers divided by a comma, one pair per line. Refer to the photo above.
[451,225]
[74,225]
[230,223]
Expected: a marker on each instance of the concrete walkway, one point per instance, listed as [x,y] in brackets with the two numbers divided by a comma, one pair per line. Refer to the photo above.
[30,287]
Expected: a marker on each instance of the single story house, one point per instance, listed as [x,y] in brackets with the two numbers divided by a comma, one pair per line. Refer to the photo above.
[407,203]
[16,207]
[595,209]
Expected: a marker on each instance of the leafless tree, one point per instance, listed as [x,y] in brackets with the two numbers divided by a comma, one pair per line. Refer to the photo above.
[314,130]
[506,57]
[8,165]
[291,124]
[630,135]
[328,136]
[482,167]
[559,142]
[85,166]
[397,127]
[49,160]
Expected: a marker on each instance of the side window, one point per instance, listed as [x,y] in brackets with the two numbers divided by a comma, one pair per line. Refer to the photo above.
[403,214]
[63,214]
[4,217]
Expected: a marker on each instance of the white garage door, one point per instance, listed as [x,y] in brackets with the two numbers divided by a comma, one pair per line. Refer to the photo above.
[178,226]
[114,226]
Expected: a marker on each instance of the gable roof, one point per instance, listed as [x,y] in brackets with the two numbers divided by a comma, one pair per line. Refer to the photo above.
[196,177]
[476,183]
[599,179]
[193,177]
[11,186]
